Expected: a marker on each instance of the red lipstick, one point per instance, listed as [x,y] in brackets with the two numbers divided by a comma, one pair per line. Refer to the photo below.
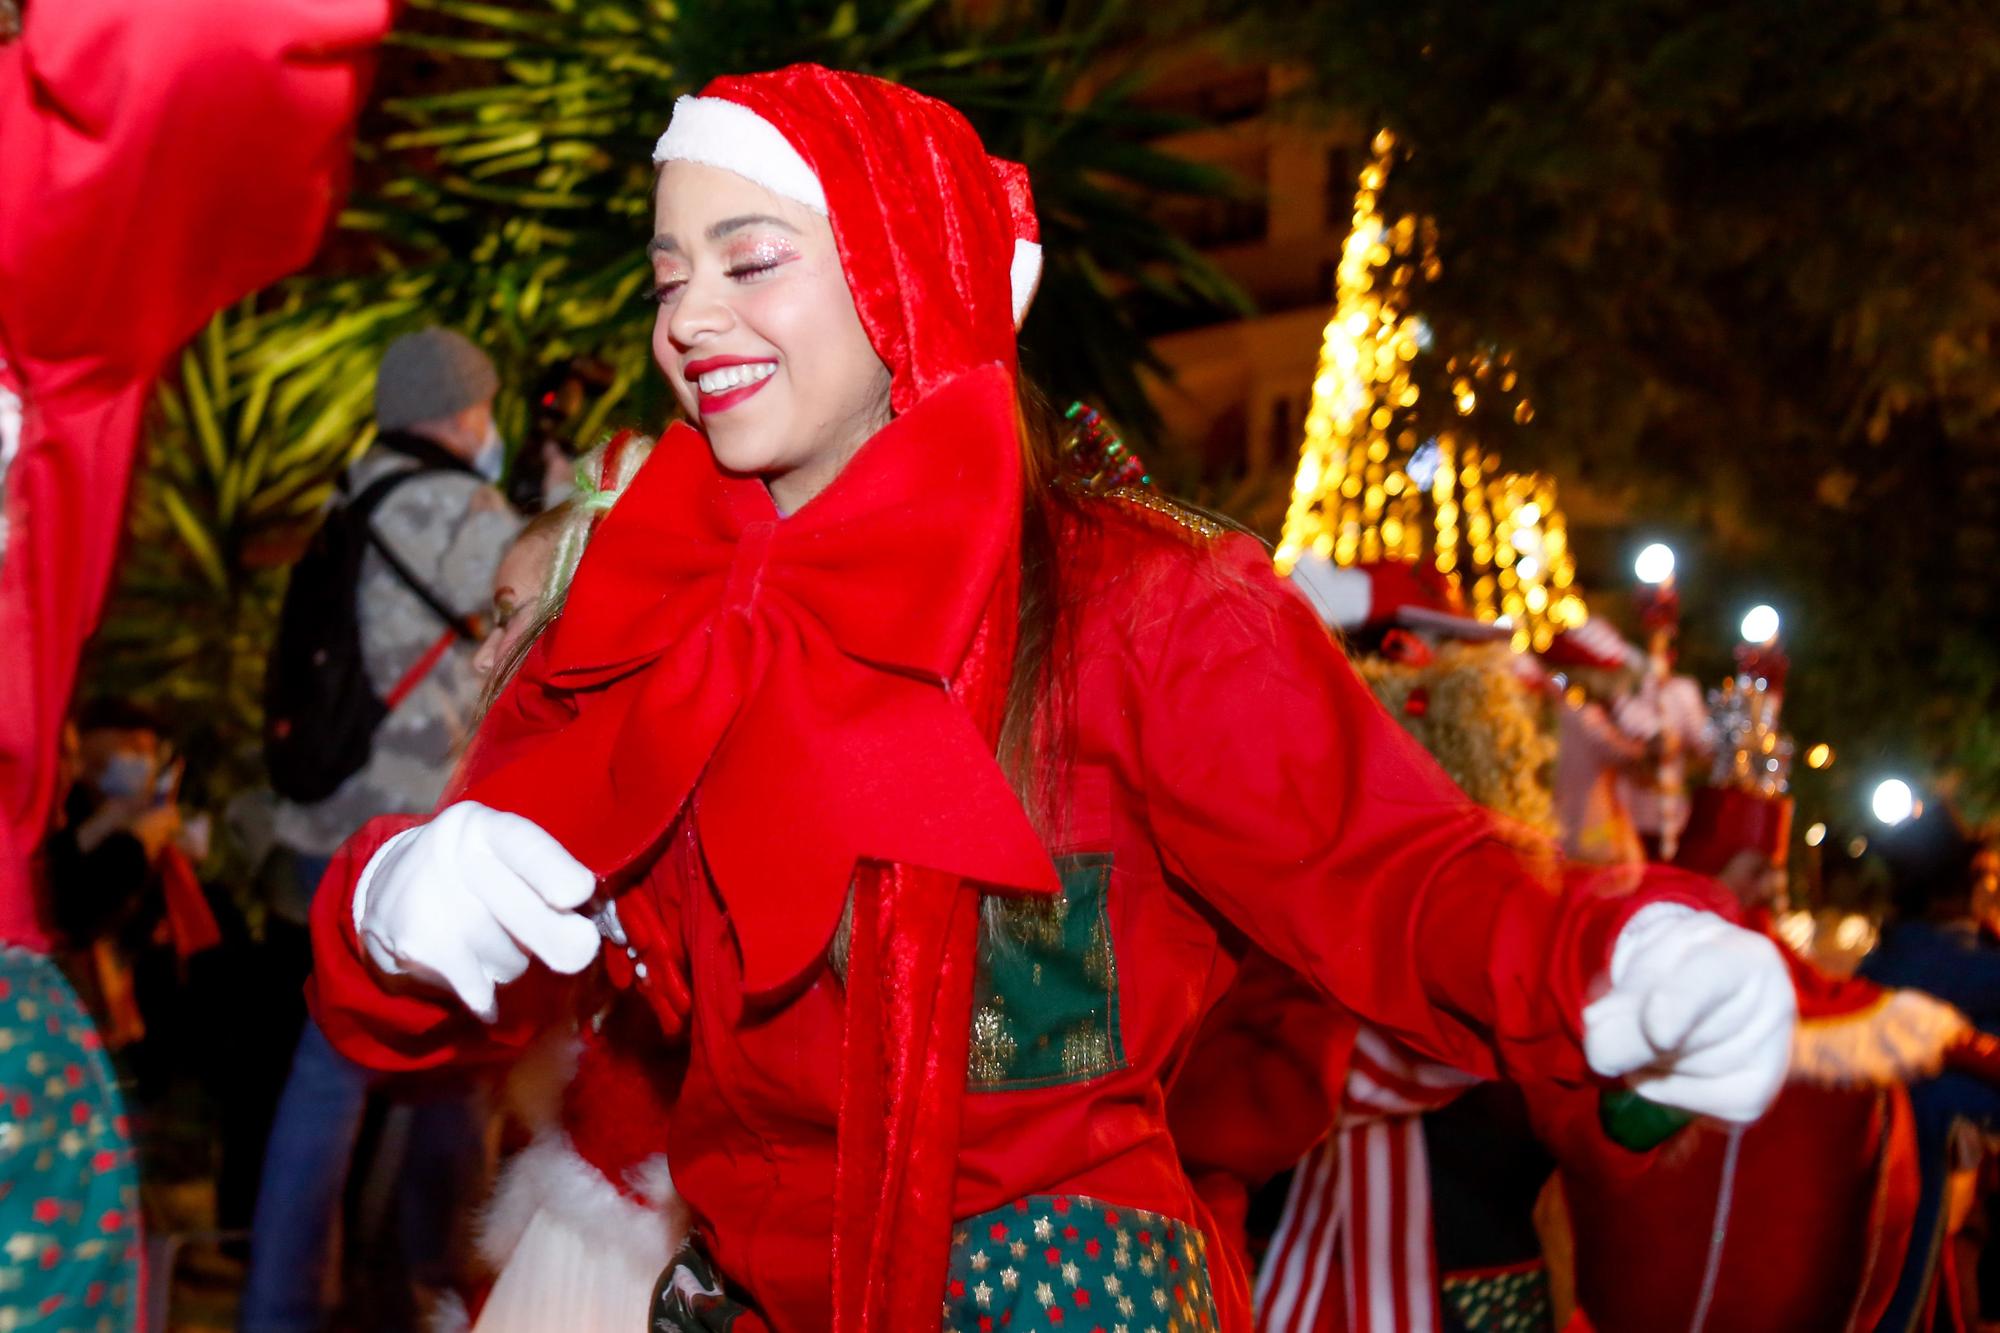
[724,399]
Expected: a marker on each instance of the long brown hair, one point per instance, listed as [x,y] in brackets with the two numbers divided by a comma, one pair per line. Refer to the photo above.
[1038,724]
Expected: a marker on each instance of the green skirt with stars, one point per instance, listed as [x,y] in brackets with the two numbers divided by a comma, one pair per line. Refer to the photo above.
[69,1187]
[1061,1262]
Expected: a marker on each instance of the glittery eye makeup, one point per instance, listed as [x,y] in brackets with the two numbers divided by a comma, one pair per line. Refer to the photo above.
[758,255]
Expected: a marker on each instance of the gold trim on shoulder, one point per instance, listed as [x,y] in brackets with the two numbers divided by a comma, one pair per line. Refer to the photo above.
[1189,520]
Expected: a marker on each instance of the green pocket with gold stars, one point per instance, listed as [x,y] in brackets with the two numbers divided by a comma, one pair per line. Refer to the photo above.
[1054,1262]
[1046,1009]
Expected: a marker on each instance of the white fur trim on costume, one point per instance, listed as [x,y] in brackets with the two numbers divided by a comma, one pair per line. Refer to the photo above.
[1899,1038]
[550,1177]
[1343,597]
[719,133]
[1024,276]
[572,1252]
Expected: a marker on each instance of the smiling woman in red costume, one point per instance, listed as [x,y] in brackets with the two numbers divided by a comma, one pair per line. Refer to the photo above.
[933,806]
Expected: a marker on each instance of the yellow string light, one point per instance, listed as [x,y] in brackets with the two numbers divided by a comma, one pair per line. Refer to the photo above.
[1497,537]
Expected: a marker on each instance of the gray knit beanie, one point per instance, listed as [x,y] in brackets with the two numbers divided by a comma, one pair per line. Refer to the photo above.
[427,376]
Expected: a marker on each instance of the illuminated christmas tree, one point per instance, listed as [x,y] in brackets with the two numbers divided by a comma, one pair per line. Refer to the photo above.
[1373,486]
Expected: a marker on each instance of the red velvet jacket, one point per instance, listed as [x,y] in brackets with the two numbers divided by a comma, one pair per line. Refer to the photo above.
[1234,786]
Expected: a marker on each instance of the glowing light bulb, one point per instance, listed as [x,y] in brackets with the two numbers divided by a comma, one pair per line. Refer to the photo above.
[1893,801]
[1815,835]
[1655,564]
[1760,624]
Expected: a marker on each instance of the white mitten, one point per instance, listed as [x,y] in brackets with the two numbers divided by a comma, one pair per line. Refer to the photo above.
[1699,1015]
[464,902]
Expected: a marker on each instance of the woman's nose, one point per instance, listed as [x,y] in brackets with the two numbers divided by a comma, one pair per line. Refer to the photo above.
[702,311]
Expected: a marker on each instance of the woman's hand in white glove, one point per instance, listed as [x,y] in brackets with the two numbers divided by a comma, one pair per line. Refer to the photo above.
[1699,1015]
[464,901]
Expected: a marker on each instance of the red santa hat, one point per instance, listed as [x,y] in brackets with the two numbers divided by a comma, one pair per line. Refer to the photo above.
[933,234]
[1593,644]
[1388,592]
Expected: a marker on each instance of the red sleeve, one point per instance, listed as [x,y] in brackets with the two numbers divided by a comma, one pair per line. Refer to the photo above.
[383,1024]
[178,154]
[1282,793]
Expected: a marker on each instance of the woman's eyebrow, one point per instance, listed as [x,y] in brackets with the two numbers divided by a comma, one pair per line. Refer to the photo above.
[665,244]
[728,225]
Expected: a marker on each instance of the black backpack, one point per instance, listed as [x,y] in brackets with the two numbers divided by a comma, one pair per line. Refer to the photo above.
[320,709]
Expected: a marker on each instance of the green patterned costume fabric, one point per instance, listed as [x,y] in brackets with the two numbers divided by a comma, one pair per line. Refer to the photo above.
[1504,1300]
[1046,1011]
[1074,1265]
[69,1185]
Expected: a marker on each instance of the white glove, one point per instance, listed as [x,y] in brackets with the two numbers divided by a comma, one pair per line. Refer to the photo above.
[464,902]
[1699,1015]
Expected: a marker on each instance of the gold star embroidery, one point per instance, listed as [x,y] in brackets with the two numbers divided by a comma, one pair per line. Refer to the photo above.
[1111,1284]
[1045,1294]
[1009,1279]
[1146,1264]
[1044,1228]
[979,1261]
[984,1295]
[21,1247]
[1159,1299]
[1019,1249]
[1072,1274]
[1125,1306]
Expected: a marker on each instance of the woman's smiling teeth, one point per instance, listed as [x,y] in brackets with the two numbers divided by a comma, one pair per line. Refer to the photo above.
[735,377]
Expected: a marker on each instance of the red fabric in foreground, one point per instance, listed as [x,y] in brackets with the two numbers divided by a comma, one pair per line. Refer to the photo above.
[161,159]
[1824,1200]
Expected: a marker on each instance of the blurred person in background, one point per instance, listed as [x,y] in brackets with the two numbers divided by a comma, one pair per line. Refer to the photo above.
[436,528]
[1934,942]
[1593,757]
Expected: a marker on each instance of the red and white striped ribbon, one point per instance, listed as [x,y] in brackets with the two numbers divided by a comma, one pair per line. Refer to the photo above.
[1353,1252]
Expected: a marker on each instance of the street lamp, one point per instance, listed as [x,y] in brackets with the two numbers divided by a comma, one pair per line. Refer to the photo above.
[1655,564]
[1760,625]
[1893,801]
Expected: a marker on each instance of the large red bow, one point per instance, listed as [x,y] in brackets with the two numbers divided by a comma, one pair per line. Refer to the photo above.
[792,669]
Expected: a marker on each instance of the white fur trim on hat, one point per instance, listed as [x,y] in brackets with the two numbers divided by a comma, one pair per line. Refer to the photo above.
[720,133]
[1899,1038]
[1024,275]
[716,132]
[1343,597]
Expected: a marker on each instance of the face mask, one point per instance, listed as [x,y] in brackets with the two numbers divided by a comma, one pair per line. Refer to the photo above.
[492,455]
[126,773]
